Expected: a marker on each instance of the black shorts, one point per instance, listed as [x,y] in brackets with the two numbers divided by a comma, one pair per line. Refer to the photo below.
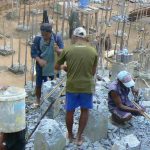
[15,141]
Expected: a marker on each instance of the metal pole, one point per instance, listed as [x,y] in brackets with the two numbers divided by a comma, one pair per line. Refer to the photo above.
[24,14]
[63,19]
[117,36]
[111,10]
[57,17]
[12,62]
[32,28]
[4,34]
[32,71]
[28,19]
[26,60]
[19,53]
[19,3]
[129,34]
[12,5]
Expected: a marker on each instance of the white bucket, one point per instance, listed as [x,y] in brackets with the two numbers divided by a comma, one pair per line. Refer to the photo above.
[12,110]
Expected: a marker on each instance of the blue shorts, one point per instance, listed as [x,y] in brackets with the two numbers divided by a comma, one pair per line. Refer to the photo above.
[74,100]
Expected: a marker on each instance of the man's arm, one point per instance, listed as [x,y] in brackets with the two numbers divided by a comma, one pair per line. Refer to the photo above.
[59,44]
[135,92]
[35,52]
[35,47]
[61,67]
[119,104]
[94,70]
[95,64]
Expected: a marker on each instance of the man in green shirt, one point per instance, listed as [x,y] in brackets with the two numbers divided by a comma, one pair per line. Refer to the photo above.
[81,61]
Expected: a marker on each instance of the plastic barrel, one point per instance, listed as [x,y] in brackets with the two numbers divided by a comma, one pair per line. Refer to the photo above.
[12,110]
[83,3]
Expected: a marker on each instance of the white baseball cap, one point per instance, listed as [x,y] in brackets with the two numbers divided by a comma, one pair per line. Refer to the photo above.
[80,32]
[126,78]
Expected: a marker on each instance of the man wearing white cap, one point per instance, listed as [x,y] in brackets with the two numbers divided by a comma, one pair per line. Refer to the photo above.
[119,104]
[81,60]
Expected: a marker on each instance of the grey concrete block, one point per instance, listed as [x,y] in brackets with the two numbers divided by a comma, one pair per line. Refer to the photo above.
[97,125]
[49,136]
[132,142]
[145,104]
[54,111]
[129,142]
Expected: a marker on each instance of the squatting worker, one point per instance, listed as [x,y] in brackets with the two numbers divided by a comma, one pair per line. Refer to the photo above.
[119,104]
[43,51]
[81,61]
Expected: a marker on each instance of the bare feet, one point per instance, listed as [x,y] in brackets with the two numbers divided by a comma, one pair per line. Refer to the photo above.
[79,141]
[35,105]
[70,137]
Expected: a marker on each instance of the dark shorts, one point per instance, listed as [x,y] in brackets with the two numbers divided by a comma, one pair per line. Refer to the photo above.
[15,141]
[74,100]
[41,79]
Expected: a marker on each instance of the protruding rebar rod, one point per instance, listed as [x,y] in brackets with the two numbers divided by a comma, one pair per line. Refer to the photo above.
[25,69]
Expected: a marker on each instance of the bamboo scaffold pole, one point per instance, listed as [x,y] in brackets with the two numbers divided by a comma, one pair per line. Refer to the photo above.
[54,89]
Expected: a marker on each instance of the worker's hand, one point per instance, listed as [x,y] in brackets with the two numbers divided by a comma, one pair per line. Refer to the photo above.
[64,67]
[56,47]
[135,91]
[140,111]
[42,62]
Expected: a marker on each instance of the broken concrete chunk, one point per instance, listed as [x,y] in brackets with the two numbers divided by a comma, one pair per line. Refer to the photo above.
[132,142]
[54,111]
[97,126]
[145,104]
[118,147]
[129,142]
[49,136]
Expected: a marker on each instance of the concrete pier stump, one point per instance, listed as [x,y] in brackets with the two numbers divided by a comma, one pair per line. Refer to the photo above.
[49,136]
[97,126]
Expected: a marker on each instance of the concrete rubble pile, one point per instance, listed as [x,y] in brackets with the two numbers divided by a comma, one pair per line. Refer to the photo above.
[107,137]
[6,50]
[17,68]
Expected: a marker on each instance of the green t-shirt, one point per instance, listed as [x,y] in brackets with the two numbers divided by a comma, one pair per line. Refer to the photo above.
[80,60]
